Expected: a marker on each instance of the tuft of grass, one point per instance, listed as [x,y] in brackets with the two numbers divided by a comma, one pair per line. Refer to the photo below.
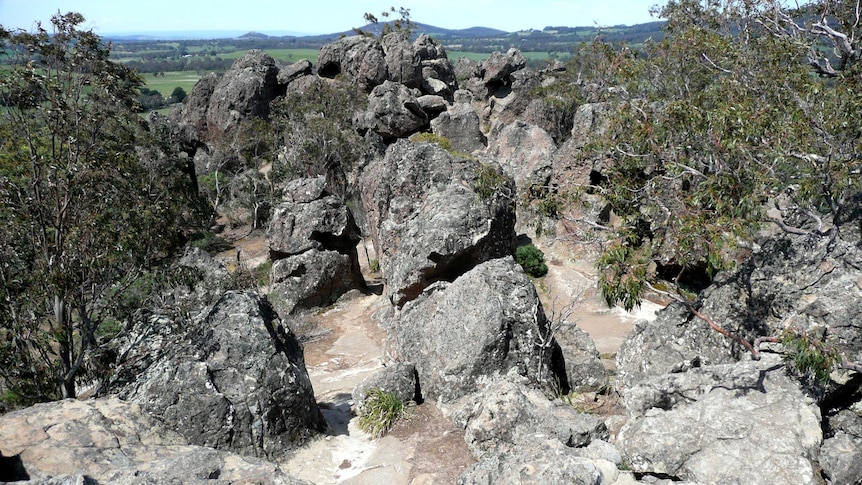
[382,410]
[374,265]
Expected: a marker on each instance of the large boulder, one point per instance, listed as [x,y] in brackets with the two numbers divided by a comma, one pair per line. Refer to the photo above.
[194,110]
[244,92]
[232,377]
[437,72]
[519,436]
[488,322]
[498,68]
[397,378]
[676,340]
[112,441]
[584,368]
[525,152]
[748,422]
[428,221]
[360,58]
[402,60]
[461,126]
[312,242]
[393,112]
[508,417]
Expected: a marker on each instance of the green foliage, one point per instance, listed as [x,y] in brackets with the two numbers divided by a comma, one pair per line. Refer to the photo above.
[316,127]
[178,95]
[489,181]
[88,201]
[809,355]
[382,410]
[374,265]
[532,260]
[402,25]
[624,271]
[711,122]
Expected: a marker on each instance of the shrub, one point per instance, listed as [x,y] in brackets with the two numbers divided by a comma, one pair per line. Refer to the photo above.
[382,410]
[532,260]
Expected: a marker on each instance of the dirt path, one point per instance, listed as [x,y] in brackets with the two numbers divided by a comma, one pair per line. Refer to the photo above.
[572,282]
[426,449]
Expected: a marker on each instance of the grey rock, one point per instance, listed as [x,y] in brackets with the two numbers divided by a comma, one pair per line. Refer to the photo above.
[499,67]
[488,322]
[232,378]
[427,221]
[841,459]
[438,74]
[432,104]
[309,217]
[393,112]
[461,126]
[525,152]
[401,60]
[673,341]
[244,92]
[507,417]
[298,69]
[601,450]
[717,424]
[112,441]
[591,120]
[194,111]
[312,242]
[584,367]
[361,59]
[396,378]
[547,462]
[312,279]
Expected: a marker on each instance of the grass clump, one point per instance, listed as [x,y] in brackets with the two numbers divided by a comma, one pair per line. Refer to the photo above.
[532,260]
[382,409]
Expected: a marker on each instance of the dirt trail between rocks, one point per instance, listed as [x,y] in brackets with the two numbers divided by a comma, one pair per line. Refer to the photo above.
[572,282]
[428,448]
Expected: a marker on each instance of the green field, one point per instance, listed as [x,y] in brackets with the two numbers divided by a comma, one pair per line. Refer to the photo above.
[167,83]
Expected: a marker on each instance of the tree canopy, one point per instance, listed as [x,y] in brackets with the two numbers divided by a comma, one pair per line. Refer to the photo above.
[84,211]
[742,106]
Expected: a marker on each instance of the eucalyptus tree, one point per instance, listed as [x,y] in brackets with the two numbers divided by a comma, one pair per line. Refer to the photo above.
[82,214]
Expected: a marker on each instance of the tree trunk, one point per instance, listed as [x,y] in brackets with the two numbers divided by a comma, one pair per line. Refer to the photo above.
[65,344]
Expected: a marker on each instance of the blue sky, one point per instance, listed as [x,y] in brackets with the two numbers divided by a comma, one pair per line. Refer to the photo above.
[322,16]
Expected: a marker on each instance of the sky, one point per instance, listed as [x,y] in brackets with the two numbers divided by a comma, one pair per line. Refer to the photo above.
[321,16]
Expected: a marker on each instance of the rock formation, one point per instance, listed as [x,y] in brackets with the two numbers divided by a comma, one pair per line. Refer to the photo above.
[312,243]
[231,378]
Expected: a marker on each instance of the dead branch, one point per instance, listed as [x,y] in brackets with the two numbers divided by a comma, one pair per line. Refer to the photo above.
[755,353]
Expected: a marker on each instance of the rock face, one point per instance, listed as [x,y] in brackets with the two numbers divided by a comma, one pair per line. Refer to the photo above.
[807,285]
[438,75]
[312,242]
[360,58]
[488,322]
[584,367]
[245,91]
[499,67]
[461,126]
[402,60]
[426,219]
[519,436]
[736,423]
[111,441]
[232,378]
[675,340]
[525,152]
[393,112]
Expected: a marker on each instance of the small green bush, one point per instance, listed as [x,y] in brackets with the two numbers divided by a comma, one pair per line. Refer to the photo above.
[532,260]
[432,138]
[382,410]
[374,265]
